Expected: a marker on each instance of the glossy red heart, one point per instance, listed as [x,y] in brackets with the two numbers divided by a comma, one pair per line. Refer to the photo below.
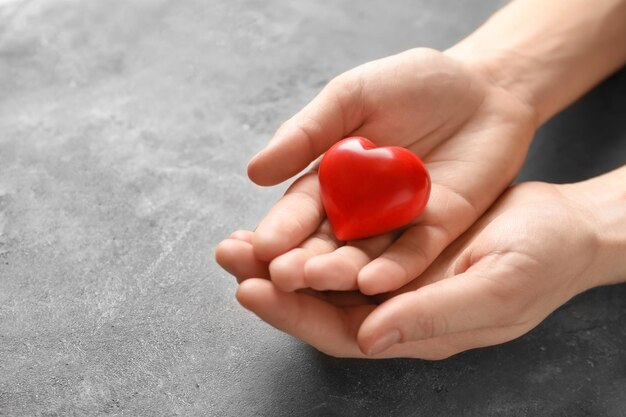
[368,190]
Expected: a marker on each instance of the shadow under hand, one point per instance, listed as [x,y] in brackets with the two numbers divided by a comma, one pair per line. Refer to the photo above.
[571,364]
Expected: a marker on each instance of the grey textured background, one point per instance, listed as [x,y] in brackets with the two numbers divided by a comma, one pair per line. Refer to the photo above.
[125,127]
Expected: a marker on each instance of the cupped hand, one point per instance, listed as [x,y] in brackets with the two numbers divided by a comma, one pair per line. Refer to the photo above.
[532,251]
[471,134]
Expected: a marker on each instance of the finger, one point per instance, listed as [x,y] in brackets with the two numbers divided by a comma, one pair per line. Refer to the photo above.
[338,270]
[295,217]
[451,344]
[237,258]
[403,261]
[333,330]
[446,217]
[469,301]
[287,270]
[334,113]
[244,235]
[330,329]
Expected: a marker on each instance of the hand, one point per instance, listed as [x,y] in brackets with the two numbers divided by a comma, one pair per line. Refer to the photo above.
[533,250]
[472,135]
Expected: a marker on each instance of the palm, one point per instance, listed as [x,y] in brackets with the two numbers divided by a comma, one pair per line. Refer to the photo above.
[494,283]
[471,135]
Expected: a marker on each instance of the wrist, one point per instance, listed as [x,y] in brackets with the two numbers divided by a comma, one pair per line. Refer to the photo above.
[529,49]
[604,198]
[503,69]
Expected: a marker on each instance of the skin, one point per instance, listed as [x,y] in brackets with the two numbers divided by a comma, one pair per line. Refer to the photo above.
[471,134]
[470,114]
[493,284]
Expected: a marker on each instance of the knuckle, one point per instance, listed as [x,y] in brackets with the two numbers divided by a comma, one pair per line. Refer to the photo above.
[347,87]
[428,326]
[340,82]
[284,126]
[507,303]
[412,255]
[316,280]
[422,53]
[309,129]
[280,274]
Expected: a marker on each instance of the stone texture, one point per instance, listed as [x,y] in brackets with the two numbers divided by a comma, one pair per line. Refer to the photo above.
[125,127]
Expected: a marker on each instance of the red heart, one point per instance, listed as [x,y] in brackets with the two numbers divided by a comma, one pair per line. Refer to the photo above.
[368,190]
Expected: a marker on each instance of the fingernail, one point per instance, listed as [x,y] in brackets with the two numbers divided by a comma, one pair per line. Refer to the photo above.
[384,342]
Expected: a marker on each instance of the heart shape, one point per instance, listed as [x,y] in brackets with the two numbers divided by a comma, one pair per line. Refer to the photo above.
[368,190]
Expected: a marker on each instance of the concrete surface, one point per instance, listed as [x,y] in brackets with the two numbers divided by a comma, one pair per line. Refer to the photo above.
[124,131]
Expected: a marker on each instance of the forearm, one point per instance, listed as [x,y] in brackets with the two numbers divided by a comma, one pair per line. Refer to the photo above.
[605,199]
[549,52]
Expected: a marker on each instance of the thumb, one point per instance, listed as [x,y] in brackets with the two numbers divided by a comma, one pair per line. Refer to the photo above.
[332,115]
[469,301]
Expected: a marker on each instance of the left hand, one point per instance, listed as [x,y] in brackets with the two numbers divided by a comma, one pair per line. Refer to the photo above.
[493,284]
[471,133]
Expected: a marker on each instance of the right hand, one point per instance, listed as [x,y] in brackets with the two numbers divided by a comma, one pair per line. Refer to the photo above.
[496,282]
